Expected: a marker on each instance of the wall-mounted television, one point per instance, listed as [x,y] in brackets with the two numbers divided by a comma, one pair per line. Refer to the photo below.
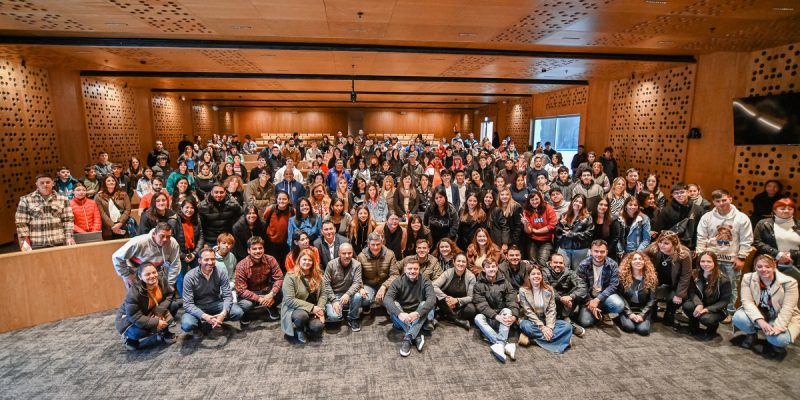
[767,120]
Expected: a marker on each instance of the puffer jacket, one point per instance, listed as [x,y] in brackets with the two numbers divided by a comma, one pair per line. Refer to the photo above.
[442,225]
[134,310]
[375,270]
[492,297]
[576,236]
[566,283]
[87,215]
[218,217]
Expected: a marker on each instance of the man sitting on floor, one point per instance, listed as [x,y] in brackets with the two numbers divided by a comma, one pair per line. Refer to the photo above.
[342,281]
[600,274]
[408,301]
[207,298]
[258,281]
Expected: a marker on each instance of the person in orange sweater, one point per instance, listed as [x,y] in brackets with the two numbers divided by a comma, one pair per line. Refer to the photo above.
[539,222]
[86,212]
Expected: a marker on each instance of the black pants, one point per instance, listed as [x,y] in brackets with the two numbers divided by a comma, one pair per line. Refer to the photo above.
[710,319]
[303,322]
[279,251]
[466,312]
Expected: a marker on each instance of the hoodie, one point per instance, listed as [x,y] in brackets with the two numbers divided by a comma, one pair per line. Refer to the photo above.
[728,236]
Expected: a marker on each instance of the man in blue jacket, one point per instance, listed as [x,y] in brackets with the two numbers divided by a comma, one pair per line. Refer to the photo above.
[601,277]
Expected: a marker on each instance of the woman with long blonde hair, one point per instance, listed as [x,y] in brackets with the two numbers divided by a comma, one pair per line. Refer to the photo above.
[303,306]
[505,221]
[638,282]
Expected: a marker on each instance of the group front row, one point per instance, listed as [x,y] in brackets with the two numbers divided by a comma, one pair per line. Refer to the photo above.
[503,301]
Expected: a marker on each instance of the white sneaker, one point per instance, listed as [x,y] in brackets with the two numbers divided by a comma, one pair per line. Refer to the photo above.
[511,350]
[498,352]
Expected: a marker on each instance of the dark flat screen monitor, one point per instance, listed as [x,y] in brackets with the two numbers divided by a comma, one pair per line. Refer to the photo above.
[767,120]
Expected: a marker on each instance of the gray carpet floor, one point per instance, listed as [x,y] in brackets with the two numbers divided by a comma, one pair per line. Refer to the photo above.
[84,358]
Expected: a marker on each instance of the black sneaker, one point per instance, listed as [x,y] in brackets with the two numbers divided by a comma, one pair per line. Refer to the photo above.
[273,315]
[355,325]
[428,326]
[131,344]
[245,321]
[167,337]
[405,347]
[301,336]
[419,342]
[749,341]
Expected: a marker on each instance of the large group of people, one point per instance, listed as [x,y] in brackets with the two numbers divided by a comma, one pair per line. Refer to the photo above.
[519,245]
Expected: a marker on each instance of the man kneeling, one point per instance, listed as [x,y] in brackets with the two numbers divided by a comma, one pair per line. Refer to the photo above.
[207,298]
[408,301]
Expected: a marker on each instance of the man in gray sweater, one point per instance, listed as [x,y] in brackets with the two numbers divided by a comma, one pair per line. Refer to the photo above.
[342,282]
[408,301]
[207,298]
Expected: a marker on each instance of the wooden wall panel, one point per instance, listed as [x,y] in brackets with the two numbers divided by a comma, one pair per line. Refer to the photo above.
[256,121]
[69,112]
[466,123]
[29,143]
[35,287]
[171,121]
[110,112]
[226,121]
[516,118]
[440,124]
[770,71]
[649,119]
[202,120]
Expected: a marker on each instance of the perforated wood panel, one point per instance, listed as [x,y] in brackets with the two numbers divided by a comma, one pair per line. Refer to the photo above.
[550,17]
[168,122]
[649,121]
[166,16]
[232,60]
[466,122]
[110,113]
[28,143]
[35,15]
[202,124]
[517,114]
[567,98]
[227,122]
[772,71]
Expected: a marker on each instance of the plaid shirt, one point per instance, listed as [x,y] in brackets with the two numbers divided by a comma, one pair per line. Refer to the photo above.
[44,221]
[255,277]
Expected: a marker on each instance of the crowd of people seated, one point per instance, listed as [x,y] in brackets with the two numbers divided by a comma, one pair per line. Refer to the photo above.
[519,245]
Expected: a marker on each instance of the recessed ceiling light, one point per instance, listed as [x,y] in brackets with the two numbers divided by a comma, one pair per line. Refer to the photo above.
[359,30]
[571,38]
[241,27]
[462,34]
[783,9]
[267,55]
[120,24]
[655,1]
[438,59]
[665,42]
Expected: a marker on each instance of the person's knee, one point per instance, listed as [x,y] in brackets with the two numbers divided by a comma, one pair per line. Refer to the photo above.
[742,322]
[357,298]
[235,313]
[315,326]
[782,340]
[643,329]
[188,323]
[299,317]
[614,304]
[688,308]
[626,325]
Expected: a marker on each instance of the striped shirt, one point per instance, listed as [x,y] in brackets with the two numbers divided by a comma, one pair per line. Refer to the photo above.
[45,221]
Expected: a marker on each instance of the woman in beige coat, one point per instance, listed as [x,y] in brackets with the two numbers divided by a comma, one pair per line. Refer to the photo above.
[769,304]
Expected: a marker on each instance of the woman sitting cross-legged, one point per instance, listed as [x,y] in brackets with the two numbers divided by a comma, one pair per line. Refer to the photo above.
[454,289]
[540,323]
[145,316]
[303,306]
[709,294]
[638,282]
[769,304]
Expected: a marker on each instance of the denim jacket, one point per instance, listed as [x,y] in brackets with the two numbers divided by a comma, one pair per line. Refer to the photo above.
[638,236]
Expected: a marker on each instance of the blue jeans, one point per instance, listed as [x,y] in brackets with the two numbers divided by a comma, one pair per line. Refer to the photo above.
[642,328]
[612,304]
[413,329]
[367,301]
[493,329]
[562,333]
[247,305]
[189,322]
[733,276]
[573,258]
[353,308]
[743,323]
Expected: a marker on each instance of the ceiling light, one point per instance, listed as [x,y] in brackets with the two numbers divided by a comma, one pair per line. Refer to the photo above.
[784,9]
[463,34]
[665,42]
[267,55]
[118,24]
[571,38]
[359,30]
[215,108]
[655,1]
[241,27]
[183,98]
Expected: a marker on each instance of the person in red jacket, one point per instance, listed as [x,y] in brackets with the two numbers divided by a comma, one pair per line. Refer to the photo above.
[276,219]
[86,212]
[539,222]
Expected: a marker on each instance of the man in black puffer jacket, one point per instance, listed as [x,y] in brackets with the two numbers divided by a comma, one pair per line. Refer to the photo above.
[680,216]
[496,301]
[218,212]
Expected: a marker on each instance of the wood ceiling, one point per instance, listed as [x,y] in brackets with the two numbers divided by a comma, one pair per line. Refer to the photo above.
[449,53]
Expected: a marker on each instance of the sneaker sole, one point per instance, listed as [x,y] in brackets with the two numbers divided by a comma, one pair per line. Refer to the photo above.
[405,354]
[421,343]
[502,359]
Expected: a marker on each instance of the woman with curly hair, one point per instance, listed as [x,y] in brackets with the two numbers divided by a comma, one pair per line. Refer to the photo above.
[638,282]
[320,201]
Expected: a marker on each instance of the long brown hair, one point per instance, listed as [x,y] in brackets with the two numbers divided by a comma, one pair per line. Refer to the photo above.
[626,271]
[711,284]
[570,217]
[527,281]
[480,215]
[316,272]
[355,224]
